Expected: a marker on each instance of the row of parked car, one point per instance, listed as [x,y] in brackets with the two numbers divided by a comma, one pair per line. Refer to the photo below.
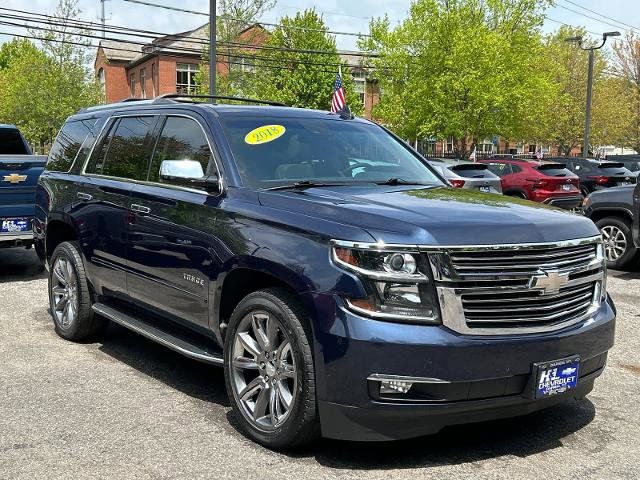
[568,182]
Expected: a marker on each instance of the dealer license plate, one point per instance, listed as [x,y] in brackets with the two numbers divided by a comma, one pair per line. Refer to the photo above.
[14,225]
[556,376]
[567,186]
[485,189]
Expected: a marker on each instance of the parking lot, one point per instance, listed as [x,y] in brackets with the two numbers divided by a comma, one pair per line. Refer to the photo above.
[127,408]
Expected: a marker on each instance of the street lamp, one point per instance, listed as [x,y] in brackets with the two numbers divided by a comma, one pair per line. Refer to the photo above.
[587,122]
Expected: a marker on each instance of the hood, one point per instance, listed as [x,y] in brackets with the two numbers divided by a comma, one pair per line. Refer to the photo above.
[434,216]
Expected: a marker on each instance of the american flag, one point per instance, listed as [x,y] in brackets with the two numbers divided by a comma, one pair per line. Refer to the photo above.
[539,154]
[338,101]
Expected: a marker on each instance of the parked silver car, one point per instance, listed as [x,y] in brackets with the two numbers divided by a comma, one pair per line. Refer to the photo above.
[463,174]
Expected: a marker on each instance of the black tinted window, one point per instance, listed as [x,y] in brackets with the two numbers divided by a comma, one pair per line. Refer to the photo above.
[181,139]
[67,145]
[126,150]
[554,170]
[584,167]
[11,142]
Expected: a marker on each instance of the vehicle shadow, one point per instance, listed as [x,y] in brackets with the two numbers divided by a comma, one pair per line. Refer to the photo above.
[196,379]
[20,264]
[520,436]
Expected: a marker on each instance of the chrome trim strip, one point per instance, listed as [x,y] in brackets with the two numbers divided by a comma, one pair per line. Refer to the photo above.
[15,236]
[382,246]
[380,377]
[391,317]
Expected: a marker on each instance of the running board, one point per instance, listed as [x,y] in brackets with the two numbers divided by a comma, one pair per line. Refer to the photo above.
[162,337]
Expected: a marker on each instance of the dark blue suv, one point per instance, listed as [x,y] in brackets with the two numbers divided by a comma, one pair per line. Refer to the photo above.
[345,288]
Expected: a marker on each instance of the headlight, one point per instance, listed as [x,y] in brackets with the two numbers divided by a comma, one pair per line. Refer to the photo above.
[398,284]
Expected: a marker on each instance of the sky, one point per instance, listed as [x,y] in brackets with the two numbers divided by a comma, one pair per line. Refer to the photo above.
[339,15]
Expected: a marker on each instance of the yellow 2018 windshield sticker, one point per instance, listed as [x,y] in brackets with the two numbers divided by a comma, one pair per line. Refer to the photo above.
[264,134]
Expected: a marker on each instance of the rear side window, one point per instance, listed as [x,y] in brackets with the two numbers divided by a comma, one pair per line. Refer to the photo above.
[126,150]
[181,139]
[67,145]
[552,170]
[500,169]
[477,170]
[11,142]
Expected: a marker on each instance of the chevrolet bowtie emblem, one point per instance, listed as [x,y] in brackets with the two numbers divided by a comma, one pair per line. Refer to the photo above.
[549,282]
[15,178]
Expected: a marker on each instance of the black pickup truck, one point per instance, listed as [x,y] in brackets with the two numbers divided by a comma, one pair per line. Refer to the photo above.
[19,172]
[613,213]
[344,287]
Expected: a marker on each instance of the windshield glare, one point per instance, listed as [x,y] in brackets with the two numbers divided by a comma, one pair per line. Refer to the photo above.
[278,151]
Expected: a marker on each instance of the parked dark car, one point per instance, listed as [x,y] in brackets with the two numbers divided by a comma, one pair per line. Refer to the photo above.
[19,172]
[549,183]
[344,288]
[469,175]
[596,175]
[612,212]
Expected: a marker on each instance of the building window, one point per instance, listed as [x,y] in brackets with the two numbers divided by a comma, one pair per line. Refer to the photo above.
[101,79]
[486,146]
[143,81]
[132,84]
[360,85]
[450,145]
[186,77]
[154,75]
[242,64]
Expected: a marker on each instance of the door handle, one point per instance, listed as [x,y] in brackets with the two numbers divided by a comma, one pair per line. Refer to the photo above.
[84,196]
[140,208]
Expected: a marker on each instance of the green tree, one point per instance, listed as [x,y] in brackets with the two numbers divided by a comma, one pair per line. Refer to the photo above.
[297,78]
[461,68]
[41,87]
[626,67]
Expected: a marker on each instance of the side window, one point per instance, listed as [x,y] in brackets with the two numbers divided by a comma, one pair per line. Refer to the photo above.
[126,149]
[67,145]
[181,139]
[515,169]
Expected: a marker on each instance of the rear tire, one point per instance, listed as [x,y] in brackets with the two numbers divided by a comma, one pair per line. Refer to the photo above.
[269,370]
[620,251]
[516,194]
[69,295]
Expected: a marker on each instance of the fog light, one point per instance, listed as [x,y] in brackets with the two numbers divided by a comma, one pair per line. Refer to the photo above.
[395,386]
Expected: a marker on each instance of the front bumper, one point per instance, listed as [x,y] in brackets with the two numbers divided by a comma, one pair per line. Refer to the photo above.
[479,377]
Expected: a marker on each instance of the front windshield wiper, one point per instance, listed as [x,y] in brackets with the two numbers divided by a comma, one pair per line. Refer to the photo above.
[304,184]
[399,181]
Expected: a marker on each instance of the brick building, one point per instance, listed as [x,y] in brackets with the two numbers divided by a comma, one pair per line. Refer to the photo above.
[166,65]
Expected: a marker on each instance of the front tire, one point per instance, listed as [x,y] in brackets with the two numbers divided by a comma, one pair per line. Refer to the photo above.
[69,295]
[269,371]
[620,251]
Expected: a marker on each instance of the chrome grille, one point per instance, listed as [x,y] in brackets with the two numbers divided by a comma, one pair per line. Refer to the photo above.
[512,289]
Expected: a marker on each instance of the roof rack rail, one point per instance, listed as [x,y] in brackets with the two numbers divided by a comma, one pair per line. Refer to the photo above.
[131,99]
[176,96]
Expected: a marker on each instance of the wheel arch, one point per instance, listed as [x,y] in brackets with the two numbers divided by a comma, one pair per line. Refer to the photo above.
[603,213]
[59,229]
[240,281]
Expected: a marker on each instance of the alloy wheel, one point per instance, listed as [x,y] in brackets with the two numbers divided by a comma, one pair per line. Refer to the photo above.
[263,371]
[615,242]
[64,291]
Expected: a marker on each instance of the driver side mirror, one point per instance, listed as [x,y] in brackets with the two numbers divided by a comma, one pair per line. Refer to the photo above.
[188,173]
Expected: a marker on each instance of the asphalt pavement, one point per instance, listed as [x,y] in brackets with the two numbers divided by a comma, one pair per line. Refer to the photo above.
[127,408]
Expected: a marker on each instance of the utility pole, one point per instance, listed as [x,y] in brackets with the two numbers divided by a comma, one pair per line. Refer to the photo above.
[212,48]
[591,49]
[103,18]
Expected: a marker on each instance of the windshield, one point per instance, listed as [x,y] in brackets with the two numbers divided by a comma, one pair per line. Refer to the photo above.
[273,151]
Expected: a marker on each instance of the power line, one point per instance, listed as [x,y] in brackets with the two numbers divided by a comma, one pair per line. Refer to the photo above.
[277,25]
[50,22]
[89,25]
[602,15]
[569,25]
[589,16]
